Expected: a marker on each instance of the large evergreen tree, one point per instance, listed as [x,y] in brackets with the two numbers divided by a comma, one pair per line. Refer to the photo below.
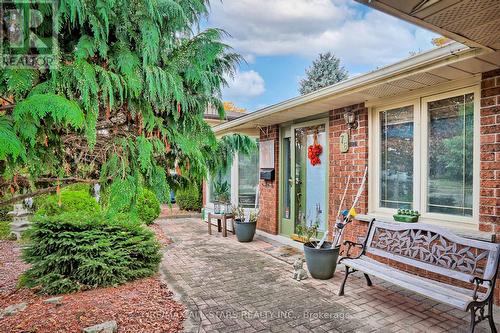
[324,71]
[124,105]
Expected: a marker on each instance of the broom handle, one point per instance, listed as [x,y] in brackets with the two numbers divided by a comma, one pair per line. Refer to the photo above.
[335,229]
[355,202]
[343,196]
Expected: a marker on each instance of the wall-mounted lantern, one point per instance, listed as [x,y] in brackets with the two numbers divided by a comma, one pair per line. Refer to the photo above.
[350,119]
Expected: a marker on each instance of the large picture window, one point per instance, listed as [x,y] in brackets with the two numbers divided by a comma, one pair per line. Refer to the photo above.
[450,148]
[424,156]
[396,158]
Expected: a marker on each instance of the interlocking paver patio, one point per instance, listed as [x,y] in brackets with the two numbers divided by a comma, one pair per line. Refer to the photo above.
[247,287]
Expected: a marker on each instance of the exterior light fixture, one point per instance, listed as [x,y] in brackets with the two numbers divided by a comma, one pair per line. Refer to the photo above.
[350,119]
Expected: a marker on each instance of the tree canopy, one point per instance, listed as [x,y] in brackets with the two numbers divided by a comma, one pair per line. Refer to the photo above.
[324,71]
[123,106]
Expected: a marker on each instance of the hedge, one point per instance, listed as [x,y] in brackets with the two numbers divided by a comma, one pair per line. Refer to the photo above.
[189,198]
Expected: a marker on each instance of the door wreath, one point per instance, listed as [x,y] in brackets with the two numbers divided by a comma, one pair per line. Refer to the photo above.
[314,151]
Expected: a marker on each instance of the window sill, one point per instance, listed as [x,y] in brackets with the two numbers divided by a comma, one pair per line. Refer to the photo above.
[463,232]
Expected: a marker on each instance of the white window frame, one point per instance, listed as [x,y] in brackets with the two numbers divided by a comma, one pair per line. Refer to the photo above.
[420,178]
[234,190]
[375,166]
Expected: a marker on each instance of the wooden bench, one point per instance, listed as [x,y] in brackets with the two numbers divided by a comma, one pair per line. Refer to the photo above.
[435,250]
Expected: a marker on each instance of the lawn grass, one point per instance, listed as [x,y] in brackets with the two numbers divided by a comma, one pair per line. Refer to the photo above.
[4,229]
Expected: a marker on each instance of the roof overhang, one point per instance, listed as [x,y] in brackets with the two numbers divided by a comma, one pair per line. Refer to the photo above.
[438,66]
[475,23]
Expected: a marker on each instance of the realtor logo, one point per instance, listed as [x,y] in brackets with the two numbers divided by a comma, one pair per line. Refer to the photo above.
[28,34]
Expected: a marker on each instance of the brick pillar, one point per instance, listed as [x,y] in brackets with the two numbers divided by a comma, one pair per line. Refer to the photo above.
[489,201]
[269,190]
[351,163]
[204,193]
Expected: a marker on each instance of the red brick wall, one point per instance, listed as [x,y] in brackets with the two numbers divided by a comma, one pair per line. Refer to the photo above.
[204,193]
[356,159]
[269,190]
[489,201]
[351,163]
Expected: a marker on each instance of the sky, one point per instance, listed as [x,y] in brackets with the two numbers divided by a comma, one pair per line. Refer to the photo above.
[279,39]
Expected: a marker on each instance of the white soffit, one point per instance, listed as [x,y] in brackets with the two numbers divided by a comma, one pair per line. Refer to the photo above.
[471,22]
[425,70]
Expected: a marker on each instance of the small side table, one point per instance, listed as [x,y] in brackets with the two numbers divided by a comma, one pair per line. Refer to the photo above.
[223,218]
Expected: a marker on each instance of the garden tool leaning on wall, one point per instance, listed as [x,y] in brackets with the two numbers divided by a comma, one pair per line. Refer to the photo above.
[347,215]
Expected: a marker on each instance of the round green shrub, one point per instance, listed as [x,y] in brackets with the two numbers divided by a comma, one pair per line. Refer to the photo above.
[189,198]
[148,207]
[78,187]
[71,201]
[74,251]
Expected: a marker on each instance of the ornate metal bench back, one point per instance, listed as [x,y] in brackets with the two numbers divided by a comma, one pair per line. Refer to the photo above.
[433,249]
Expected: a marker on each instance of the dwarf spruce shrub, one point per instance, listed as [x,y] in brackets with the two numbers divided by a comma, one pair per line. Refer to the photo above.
[189,198]
[148,207]
[74,251]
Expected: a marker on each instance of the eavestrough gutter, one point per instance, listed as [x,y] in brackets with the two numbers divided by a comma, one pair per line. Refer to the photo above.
[434,58]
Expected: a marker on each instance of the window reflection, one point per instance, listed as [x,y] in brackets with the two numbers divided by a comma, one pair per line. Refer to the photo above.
[450,155]
[396,161]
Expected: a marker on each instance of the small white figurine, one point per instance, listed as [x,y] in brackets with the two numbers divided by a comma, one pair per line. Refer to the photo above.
[299,272]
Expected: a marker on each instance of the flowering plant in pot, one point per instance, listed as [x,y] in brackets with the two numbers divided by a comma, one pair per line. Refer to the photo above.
[244,228]
[321,258]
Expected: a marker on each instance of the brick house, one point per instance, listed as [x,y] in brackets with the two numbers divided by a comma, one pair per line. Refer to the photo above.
[427,128]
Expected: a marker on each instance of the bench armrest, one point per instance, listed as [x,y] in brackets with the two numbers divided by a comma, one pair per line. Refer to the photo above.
[480,282]
[350,245]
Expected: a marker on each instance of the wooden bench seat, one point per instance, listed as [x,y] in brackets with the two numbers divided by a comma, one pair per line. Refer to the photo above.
[432,249]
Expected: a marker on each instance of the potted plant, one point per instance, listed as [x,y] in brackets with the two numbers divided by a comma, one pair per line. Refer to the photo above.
[321,261]
[245,230]
[221,194]
[406,215]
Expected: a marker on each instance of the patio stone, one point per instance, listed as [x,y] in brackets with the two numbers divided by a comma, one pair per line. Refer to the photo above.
[235,287]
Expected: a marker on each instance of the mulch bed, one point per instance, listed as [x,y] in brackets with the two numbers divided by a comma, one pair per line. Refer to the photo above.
[160,234]
[145,305]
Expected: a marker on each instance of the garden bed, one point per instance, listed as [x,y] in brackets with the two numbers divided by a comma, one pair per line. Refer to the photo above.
[144,305]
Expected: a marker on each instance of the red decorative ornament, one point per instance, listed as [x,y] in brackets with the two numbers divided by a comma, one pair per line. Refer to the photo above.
[314,151]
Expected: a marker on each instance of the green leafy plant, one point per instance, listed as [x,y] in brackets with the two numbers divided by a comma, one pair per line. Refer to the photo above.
[189,198]
[74,251]
[71,201]
[148,207]
[308,232]
[222,191]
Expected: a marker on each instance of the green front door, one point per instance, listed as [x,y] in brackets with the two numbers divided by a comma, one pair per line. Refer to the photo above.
[304,188]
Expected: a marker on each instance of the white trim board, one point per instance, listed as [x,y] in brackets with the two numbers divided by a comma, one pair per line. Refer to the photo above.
[467,233]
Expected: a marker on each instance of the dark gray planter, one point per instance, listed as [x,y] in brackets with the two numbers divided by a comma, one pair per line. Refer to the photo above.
[321,262]
[244,230]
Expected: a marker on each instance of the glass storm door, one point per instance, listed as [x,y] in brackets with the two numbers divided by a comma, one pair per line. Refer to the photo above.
[287,223]
[304,190]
